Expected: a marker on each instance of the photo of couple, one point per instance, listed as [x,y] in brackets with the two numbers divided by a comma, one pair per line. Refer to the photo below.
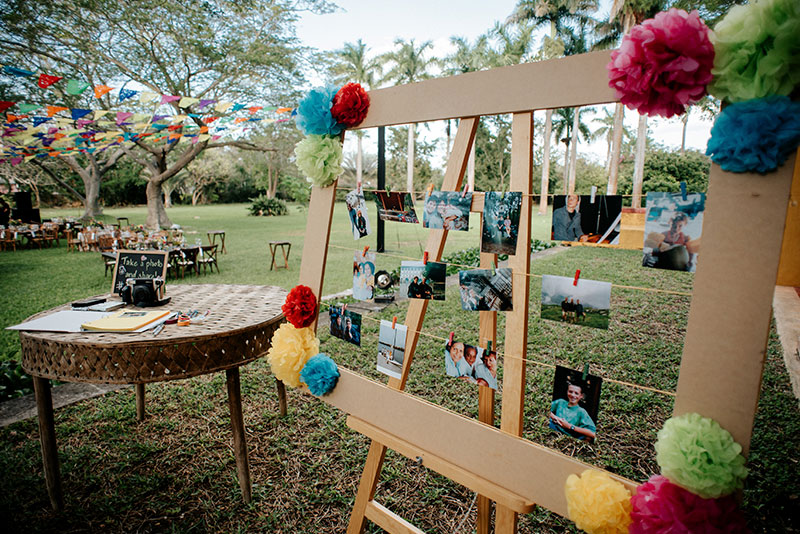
[419,280]
[470,363]
[357,210]
[576,400]
[447,210]
[363,275]
[345,324]
[586,303]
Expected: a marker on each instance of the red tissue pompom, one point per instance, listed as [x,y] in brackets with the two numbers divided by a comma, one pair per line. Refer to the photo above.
[350,105]
[300,307]
[664,64]
[661,507]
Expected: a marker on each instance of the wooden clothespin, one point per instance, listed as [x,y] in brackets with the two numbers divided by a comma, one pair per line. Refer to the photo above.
[425,257]
[394,321]
[364,254]
[358,187]
[683,191]
[429,190]
[577,275]
[594,192]
[344,307]
[464,191]
[585,371]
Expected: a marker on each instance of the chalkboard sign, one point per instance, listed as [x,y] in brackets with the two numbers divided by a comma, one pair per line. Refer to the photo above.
[138,264]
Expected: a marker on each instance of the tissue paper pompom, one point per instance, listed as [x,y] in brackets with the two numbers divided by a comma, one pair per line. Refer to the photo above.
[350,105]
[757,51]
[755,135]
[300,307]
[664,64]
[314,112]
[597,503]
[320,159]
[695,452]
[661,507]
[320,374]
[291,348]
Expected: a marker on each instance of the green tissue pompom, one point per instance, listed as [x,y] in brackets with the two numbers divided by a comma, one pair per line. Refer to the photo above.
[757,51]
[695,452]
[320,159]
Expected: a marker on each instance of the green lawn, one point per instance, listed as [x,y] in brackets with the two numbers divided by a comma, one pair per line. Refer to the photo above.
[594,318]
[175,471]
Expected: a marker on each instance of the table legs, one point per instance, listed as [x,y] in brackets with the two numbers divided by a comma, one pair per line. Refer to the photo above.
[139,402]
[47,436]
[281,397]
[239,439]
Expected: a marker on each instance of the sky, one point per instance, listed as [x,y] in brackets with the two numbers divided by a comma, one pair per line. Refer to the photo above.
[379,22]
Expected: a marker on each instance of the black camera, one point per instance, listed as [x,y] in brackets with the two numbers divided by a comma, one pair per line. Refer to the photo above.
[143,292]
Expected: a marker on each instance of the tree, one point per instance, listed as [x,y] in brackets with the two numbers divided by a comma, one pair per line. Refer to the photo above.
[607,128]
[408,64]
[205,50]
[567,123]
[664,170]
[397,162]
[353,65]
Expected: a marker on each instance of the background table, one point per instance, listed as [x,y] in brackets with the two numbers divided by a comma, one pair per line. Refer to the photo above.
[238,330]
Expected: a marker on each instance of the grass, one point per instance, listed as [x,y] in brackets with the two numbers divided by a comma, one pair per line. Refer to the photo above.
[175,471]
[593,318]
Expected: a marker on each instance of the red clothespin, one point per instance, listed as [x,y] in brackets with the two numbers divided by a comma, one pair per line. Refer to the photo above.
[464,191]
[577,275]
[358,187]
[450,339]
[364,254]
[394,321]
[425,257]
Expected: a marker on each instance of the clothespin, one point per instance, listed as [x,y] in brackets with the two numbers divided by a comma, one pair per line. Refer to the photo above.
[464,191]
[394,321]
[683,191]
[358,186]
[577,275]
[489,346]
[594,192]
[344,307]
[425,257]
[585,371]
[429,190]
[364,254]
[450,339]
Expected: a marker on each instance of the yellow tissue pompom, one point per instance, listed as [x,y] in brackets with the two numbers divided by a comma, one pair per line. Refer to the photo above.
[597,503]
[291,349]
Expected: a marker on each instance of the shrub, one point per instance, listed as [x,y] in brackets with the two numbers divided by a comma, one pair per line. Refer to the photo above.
[267,206]
[13,381]
[471,257]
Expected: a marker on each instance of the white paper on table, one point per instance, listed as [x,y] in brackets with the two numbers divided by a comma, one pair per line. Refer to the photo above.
[61,321]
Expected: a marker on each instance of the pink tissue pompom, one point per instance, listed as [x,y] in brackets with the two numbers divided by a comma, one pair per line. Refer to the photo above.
[664,64]
[661,507]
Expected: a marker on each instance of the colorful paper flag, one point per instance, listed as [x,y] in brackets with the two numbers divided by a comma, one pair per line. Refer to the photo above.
[78,113]
[237,107]
[98,113]
[166,99]
[222,107]
[46,80]
[52,110]
[125,94]
[147,96]
[5,104]
[16,71]
[254,109]
[205,102]
[100,90]
[283,110]
[209,120]
[75,87]
[187,102]
[27,108]
[122,115]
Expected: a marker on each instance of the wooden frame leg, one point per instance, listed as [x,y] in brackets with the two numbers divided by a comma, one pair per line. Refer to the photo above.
[282,403]
[366,488]
[239,439]
[47,436]
[139,402]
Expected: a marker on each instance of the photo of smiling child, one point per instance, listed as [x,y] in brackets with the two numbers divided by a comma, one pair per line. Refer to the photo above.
[576,400]
[471,364]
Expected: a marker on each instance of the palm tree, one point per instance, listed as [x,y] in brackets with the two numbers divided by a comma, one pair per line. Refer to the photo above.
[408,64]
[607,128]
[567,126]
[559,15]
[353,65]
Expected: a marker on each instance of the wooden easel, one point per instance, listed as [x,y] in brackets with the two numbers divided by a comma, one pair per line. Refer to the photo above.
[731,276]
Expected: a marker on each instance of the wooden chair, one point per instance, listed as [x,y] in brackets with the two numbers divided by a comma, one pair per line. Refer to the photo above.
[50,235]
[123,222]
[8,239]
[109,261]
[72,242]
[187,258]
[37,237]
[207,258]
[105,243]
[286,249]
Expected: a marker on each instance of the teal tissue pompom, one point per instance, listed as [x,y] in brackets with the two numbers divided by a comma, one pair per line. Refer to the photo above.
[320,374]
[696,453]
[314,112]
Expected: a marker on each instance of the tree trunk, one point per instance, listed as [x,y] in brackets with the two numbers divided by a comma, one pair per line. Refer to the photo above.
[685,121]
[616,148]
[471,168]
[566,167]
[447,130]
[359,157]
[272,179]
[573,158]
[410,161]
[167,196]
[548,133]
[638,166]
[156,213]
[91,186]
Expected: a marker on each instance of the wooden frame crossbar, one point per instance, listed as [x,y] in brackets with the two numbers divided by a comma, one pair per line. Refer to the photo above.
[728,321]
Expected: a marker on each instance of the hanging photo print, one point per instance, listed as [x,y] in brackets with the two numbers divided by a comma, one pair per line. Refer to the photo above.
[394,206]
[345,324]
[391,348]
[448,210]
[469,363]
[576,400]
[585,304]
[577,218]
[357,210]
[672,229]
[484,290]
[419,280]
[501,222]
[363,275]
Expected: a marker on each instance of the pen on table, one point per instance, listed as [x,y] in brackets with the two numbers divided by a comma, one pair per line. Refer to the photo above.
[158,329]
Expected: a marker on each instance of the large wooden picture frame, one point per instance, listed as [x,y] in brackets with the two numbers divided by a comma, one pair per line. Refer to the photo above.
[740,265]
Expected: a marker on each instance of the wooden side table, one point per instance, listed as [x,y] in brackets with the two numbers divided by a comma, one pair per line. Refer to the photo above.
[212,239]
[237,331]
[286,249]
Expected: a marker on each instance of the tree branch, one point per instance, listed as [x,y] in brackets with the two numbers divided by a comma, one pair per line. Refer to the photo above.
[243,145]
[59,181]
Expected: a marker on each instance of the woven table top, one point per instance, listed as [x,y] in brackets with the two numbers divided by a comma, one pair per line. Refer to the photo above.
[237,330]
